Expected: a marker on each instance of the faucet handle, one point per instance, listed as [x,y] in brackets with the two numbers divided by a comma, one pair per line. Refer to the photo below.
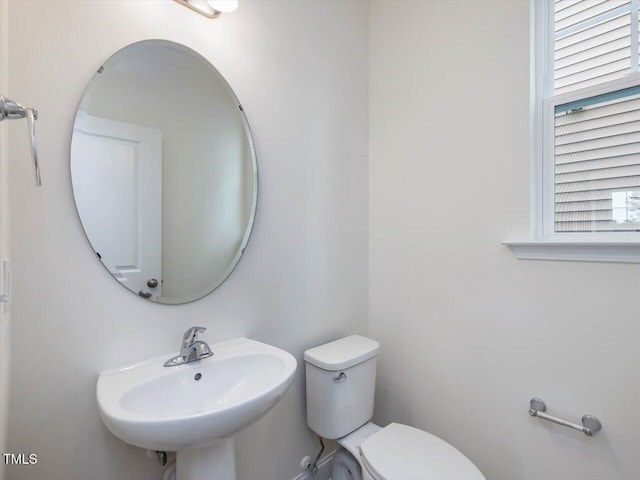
[191,334]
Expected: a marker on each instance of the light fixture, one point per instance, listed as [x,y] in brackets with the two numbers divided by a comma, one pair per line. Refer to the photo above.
[210,8]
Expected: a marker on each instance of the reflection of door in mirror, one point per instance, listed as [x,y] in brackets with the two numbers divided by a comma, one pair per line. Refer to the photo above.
[117,176]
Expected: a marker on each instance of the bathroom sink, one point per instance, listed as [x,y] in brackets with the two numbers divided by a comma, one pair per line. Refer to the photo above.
[195,405]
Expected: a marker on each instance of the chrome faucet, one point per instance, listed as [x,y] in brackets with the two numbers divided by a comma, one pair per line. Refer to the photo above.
[191,349]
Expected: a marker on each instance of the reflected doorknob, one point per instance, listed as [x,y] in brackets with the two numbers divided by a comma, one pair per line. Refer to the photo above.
[152,283]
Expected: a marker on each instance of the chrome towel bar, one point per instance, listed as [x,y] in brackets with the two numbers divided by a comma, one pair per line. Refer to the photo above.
[590,424]
[11,110]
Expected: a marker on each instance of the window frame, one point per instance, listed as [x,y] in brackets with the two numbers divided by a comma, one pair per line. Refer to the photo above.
[543,242]
[543,106]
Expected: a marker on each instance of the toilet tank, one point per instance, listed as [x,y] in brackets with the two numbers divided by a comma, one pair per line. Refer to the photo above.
[341,381]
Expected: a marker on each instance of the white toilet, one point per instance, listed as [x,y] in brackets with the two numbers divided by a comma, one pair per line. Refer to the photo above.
[341,379]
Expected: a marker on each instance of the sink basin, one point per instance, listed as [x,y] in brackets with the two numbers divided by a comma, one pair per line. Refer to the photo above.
[194,405]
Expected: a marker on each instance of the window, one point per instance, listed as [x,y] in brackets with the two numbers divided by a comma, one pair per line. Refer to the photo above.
[587,120]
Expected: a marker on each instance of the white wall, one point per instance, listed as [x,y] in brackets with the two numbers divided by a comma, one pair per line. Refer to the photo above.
[5,322]
[469,333]
[300,70]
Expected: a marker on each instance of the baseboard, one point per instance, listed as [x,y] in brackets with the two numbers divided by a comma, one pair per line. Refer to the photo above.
[324,470]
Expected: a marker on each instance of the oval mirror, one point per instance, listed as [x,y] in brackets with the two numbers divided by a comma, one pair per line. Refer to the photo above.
[164,172]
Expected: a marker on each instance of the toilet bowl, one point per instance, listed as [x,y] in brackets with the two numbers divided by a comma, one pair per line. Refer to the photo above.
[340,392]
[399,452]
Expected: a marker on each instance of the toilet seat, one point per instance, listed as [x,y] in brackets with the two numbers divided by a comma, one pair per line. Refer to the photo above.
[401,452]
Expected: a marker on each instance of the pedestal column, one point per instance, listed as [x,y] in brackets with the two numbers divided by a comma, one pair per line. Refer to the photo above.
[217,462]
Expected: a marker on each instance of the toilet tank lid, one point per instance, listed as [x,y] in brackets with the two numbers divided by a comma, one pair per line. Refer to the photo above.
[343,353]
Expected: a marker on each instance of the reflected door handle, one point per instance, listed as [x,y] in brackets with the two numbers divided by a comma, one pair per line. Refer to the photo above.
[152,283]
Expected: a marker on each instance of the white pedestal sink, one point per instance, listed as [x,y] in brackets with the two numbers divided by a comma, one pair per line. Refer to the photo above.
[194,409]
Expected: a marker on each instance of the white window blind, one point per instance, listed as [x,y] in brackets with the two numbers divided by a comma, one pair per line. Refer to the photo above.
[596,164]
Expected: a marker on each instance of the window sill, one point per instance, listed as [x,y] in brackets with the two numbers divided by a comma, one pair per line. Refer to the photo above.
[620,252]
